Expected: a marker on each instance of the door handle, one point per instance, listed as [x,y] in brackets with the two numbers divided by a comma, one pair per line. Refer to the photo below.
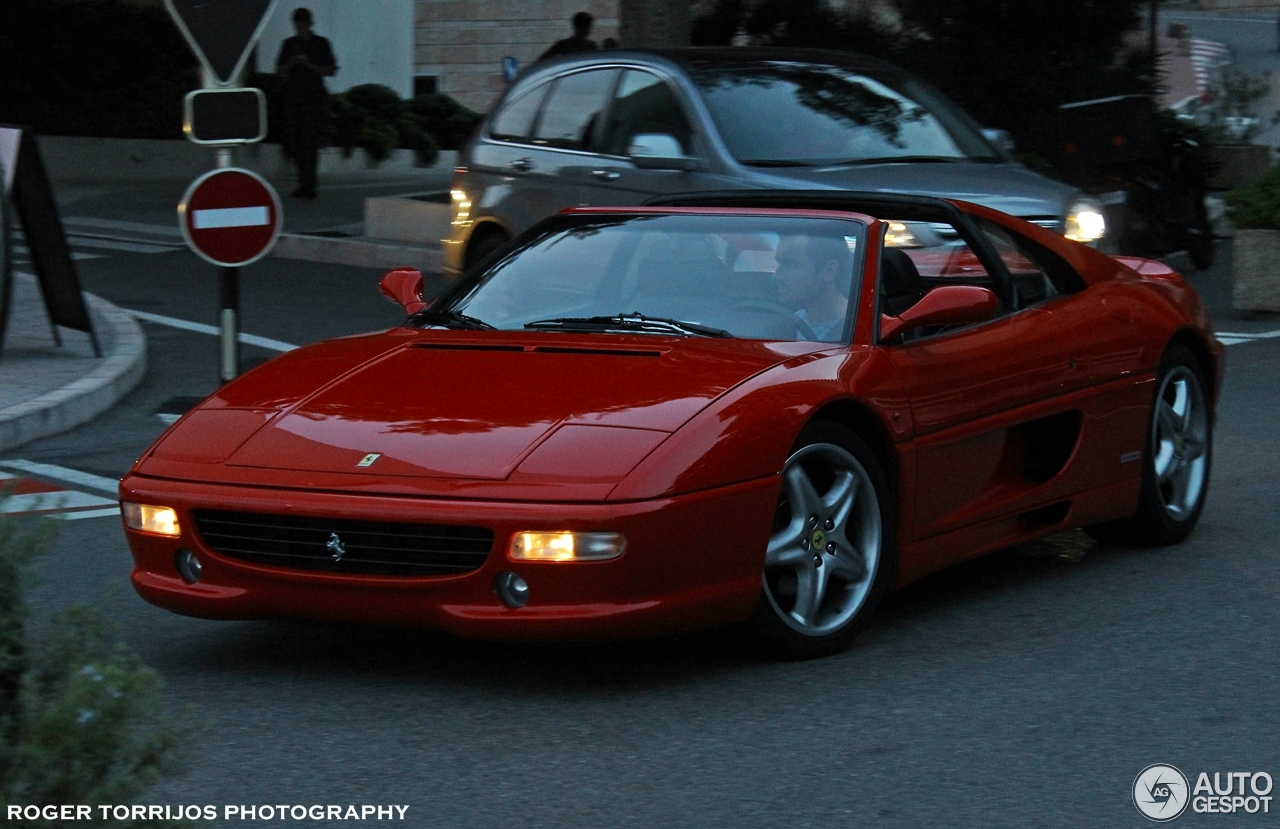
[522,164]
[606,175]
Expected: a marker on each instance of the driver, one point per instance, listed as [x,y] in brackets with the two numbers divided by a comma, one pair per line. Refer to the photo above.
[811,278]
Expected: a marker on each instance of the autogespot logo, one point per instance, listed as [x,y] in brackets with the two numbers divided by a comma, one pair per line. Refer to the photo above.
[1160,792]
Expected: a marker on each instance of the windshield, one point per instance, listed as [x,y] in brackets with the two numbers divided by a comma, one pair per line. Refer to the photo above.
[801,114]
[772,277]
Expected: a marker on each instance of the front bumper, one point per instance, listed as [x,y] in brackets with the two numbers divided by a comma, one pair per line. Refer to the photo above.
[691,561]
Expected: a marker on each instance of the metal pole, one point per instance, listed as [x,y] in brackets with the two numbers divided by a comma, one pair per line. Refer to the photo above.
[1154,30]
[228,312]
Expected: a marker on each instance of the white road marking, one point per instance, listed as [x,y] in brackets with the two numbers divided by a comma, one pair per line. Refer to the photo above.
[114,512]
[201,328]
[1233,337]
[112,244]
[49,501]
[132,227]
[61,473]
[168,419]
[230,217]
[75,254]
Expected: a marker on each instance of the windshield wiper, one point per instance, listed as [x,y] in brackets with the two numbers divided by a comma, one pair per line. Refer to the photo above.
[776,162]
[635,321]
[897,159]
[450,319]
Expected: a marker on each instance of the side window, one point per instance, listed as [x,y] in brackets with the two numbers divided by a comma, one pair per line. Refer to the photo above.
[920,256]
[571,116]
[645,103]
[515,121]
[1038,274]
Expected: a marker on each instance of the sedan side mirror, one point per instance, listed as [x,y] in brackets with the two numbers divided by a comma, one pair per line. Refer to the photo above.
[403,286]
[659,151]
[945,305]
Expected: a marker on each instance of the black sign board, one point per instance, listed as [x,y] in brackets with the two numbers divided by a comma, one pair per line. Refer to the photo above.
[27,185]
[222,33]
[225,116]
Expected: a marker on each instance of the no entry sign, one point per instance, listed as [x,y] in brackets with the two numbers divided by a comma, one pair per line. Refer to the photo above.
[230,217]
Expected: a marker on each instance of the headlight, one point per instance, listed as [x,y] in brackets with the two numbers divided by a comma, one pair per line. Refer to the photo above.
[532,546]
[149,519]
[1085,222]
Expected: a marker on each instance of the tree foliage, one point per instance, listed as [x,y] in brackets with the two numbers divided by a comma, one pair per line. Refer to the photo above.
[1009,63]
[93,67]
[81,718]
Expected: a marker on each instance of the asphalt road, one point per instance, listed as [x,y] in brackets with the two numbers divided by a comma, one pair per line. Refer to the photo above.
[1025,689]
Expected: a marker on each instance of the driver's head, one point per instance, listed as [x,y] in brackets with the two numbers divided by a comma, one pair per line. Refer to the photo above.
[811,268]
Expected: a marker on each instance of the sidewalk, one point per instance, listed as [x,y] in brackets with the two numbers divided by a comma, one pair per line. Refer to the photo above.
[46,389]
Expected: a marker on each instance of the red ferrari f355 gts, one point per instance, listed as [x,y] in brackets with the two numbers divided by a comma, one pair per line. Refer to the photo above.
[764,408]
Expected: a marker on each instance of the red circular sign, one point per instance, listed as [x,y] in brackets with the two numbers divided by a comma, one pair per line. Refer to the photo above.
[230,216]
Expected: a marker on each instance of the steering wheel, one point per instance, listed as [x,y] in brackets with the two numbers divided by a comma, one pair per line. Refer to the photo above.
[806,331]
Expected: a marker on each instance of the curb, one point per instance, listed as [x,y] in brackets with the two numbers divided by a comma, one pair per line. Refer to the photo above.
[360,252]
[114,375]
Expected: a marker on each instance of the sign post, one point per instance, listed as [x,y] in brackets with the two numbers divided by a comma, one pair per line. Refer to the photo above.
[229,217]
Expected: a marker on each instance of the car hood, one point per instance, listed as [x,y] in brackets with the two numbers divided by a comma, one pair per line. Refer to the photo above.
[481,406]
[1010,188]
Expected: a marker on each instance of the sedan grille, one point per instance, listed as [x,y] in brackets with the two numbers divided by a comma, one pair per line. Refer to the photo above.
[333,545]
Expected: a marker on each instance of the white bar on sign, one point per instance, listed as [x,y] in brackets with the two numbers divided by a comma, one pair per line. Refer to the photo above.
[230,217]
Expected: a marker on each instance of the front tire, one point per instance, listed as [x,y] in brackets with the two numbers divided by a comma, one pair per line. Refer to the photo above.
[830,555]
[1176,458]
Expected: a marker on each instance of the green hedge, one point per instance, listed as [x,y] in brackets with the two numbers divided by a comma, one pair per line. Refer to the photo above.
[375,119]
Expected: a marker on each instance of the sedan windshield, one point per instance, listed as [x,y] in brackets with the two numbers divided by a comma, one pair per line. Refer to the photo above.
[780,114]
[773,277]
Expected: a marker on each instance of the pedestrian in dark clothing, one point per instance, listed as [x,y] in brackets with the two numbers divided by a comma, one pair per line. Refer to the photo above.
[579,42]
[305,60]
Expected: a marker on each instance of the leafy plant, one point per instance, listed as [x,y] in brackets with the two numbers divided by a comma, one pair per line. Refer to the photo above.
[375,119]
[1257,205]
[449,121]
[80,715]
[1230,114]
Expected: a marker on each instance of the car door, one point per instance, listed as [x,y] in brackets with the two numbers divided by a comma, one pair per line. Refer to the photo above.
[534,143]
[644,103]
[992,424]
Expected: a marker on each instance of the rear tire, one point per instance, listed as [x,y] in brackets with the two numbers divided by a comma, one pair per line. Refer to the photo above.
[830,556]
[1175,460]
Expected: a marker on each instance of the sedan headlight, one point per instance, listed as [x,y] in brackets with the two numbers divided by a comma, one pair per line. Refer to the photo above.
[1085,222]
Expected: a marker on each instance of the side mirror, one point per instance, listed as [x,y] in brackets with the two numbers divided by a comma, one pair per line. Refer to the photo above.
[1003,139]
[659,151]
[403,286]
[946,305]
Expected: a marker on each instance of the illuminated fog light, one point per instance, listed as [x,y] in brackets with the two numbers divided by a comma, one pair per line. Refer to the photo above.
[188,565]
[513,590]
[531,546]
[148,519]
[1085,222]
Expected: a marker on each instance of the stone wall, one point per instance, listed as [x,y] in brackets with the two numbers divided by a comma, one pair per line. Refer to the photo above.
[462,42]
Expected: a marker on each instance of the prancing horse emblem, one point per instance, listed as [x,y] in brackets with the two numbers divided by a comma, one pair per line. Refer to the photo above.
[336,547]
[368,459]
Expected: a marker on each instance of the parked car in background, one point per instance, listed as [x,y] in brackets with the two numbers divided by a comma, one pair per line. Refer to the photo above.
[618,128]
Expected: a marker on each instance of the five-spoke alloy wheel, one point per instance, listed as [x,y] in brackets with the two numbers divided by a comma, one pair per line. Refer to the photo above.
[827,561]
[1176,459]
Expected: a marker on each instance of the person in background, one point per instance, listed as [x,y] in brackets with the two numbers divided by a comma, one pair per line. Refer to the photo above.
[579,42]
[305,60]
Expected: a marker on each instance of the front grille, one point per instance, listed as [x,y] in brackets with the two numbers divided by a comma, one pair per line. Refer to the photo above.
[333,545]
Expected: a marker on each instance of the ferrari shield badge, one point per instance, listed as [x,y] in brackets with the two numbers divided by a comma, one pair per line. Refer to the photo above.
[368,459]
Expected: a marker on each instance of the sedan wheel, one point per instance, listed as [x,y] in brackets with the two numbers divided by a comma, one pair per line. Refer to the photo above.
[825,566]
